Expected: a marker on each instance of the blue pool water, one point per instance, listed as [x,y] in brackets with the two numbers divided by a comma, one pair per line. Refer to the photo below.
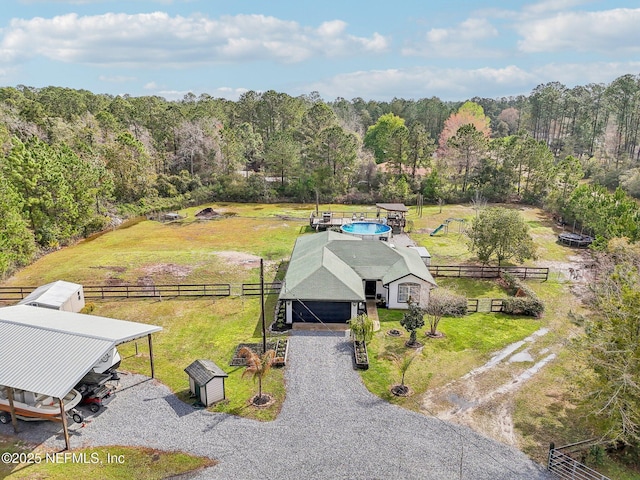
[366,228]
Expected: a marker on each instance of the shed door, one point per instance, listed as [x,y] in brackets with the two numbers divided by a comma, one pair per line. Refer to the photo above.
[327,312]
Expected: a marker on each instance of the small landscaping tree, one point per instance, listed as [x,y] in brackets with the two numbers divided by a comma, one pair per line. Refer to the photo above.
[258,367]
[403,364]
[413,320]
[362,328]
[443,303]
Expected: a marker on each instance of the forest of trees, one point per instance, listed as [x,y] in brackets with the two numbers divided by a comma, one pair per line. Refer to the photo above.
[72,161]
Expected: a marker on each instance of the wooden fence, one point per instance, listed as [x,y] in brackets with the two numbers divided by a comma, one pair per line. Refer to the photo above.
[104,292]
[93,292]
[493,305]
[14,294]
[254,288]
[564,466]
[480,271]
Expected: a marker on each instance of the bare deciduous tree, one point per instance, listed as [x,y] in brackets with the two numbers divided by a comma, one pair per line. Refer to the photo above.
[443,303]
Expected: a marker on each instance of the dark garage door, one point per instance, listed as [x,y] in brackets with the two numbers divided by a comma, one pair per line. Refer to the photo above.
[327,312]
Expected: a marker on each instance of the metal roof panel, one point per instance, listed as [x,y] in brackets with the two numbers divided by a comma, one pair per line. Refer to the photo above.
[46,361]
[118,331]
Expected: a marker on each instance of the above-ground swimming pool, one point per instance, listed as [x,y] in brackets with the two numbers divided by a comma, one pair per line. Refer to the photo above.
[368,230]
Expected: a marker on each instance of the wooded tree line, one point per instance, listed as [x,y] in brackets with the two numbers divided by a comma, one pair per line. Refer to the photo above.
[71,159]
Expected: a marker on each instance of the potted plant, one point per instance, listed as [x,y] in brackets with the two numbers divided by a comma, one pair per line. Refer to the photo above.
[361,356]
[361,333]
[281,349]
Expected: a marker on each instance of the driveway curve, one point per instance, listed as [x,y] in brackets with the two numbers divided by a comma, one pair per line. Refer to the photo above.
[330,427]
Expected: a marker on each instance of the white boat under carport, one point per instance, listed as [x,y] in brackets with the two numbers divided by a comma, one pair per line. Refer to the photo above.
[49,351]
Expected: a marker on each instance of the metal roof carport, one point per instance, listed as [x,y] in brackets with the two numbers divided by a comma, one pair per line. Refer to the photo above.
[49,351]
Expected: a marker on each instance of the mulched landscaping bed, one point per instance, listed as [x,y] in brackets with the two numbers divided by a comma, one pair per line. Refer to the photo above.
[280,346]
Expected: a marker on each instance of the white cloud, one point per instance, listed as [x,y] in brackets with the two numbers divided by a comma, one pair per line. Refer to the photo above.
[545,6]
[457,84]
[157,39]
[220,92]
[172,94]
[419,82]
[611,31]
[572,74]
[463,40]
[116,78]
[332,28]
[228,92]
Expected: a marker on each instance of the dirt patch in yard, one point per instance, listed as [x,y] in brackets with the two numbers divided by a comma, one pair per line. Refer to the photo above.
[113,268]
[239,258]
[580,267]
[171,269]
[580,271]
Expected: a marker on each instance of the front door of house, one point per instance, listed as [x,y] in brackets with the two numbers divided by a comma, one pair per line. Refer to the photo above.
[370,288]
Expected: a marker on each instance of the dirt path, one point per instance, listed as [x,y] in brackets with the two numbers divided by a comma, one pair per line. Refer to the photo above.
[482,399]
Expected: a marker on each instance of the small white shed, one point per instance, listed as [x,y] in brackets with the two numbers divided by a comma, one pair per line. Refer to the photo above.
[206,381]
[60,295]
[424,254]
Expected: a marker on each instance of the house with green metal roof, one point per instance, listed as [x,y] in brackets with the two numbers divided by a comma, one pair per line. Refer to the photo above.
[331,275]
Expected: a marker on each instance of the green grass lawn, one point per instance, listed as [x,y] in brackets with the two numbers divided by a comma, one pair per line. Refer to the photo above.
[473,288]
[180,252]
[113,462]
[468,342]
[199,329]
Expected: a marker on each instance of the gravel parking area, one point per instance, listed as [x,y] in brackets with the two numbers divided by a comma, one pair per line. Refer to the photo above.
[330,427]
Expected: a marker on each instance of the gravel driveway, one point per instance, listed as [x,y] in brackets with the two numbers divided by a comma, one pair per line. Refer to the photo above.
[330,427]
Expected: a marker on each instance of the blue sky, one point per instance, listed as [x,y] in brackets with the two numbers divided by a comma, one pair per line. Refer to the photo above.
[454,49]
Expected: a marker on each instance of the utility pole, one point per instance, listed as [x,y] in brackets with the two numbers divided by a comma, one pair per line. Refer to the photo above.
[264,326]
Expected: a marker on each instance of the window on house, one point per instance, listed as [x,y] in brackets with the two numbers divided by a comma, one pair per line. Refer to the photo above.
[408,290]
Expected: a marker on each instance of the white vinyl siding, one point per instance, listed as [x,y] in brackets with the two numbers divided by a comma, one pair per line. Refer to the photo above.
[215,391]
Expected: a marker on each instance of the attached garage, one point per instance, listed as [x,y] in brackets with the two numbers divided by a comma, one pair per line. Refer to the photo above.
[326,312]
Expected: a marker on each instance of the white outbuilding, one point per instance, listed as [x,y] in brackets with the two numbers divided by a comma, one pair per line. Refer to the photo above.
[206,381]
[59,295]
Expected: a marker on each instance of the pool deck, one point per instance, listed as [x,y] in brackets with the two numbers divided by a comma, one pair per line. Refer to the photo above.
[402,240]
[326,220]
